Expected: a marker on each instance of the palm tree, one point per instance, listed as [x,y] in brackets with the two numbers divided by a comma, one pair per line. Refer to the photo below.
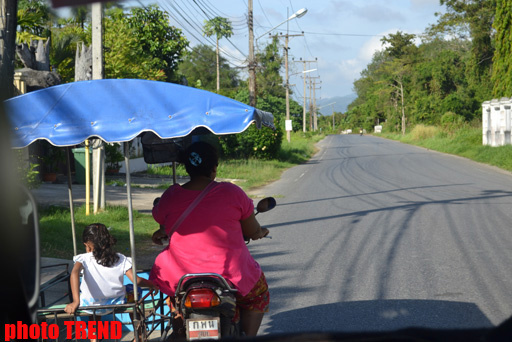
[220,27]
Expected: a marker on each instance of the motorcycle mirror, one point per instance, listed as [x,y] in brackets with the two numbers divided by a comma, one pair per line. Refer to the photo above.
[266,204]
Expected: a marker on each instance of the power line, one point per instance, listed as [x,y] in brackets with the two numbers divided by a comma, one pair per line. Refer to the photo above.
[264,13]
[233,19]
[198,29]
[191,33]
[226,52]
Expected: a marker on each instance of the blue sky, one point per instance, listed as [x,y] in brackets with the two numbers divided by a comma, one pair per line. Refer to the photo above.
[342,35]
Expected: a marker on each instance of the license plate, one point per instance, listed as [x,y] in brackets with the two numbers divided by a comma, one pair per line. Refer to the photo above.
[199,329]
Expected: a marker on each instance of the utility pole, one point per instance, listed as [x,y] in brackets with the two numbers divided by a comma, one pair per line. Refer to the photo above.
[304,83]
[310,104]
[314,104]
[313,121]
[8,23]
[300,13]
[287,85]
[288,125]
[252,63]
[97,40]
[304,106]
[98,74]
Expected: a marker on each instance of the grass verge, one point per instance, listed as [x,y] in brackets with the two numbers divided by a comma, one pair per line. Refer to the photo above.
[465,142]
[56,233]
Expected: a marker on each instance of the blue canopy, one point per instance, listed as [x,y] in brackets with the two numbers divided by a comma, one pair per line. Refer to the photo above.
[118,110]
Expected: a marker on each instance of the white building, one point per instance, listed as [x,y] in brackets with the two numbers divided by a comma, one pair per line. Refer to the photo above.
[496,122]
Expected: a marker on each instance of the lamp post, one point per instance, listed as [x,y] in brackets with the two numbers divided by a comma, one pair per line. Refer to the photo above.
[252,66]
[288,123]
[300,13]
[304,106]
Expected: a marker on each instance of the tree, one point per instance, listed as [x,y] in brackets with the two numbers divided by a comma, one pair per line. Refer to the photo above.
[34,20]
[472,19]
[81,14]
[63,47]
[502,68]
[220,27]
[268,77]
[398,44]
[162,45]
[264,143]
[142,44]
[398,66]
[198,65]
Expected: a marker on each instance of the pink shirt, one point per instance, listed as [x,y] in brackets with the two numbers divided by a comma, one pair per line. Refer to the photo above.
[210,239]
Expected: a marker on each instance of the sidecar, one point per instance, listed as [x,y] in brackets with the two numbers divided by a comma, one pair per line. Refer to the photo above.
[164,115]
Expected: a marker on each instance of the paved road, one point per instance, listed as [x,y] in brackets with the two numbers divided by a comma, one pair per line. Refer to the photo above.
[373,234]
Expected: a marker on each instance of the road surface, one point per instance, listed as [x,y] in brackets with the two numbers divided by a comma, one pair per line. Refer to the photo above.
[373,234]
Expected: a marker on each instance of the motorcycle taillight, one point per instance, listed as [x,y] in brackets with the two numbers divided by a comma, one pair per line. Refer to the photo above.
[201,298]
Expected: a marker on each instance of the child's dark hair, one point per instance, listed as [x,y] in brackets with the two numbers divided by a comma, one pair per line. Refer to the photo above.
[200,159]
[103,242]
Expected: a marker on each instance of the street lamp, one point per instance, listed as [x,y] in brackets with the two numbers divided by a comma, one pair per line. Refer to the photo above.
[300,13]
[252,74]
[304,106]
[303,72]
[288,122]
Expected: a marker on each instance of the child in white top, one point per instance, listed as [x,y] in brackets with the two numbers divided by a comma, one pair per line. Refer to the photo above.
[104,270]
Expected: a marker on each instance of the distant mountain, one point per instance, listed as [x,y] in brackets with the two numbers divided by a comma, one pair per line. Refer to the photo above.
[341,104]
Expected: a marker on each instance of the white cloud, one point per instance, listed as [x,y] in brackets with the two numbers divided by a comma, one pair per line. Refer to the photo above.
[350,69]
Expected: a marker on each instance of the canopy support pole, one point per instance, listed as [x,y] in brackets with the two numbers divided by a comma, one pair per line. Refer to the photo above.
[132,230]
[130,211]
[87,178]
[174,180]
[71,208]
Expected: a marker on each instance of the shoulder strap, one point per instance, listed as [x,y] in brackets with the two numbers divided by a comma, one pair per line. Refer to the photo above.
[192,206]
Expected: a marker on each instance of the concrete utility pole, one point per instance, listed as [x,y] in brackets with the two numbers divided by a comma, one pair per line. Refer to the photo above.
[313,121]
[300,13]
[98,74]
[252,62]
[287,84]
[304,83]
[315,116]
[310,104]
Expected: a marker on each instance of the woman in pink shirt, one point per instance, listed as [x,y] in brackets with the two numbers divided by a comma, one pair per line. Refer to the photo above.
[211,237]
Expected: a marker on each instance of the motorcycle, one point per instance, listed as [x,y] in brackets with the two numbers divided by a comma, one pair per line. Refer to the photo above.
[205,304]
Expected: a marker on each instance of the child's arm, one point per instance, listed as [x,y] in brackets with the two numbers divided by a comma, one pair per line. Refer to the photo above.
[141,281]
[74,280]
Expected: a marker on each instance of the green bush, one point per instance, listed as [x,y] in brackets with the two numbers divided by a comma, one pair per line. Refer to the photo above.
[30,176]
[27,173]
[263,144]
[113,156]
[450,120]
